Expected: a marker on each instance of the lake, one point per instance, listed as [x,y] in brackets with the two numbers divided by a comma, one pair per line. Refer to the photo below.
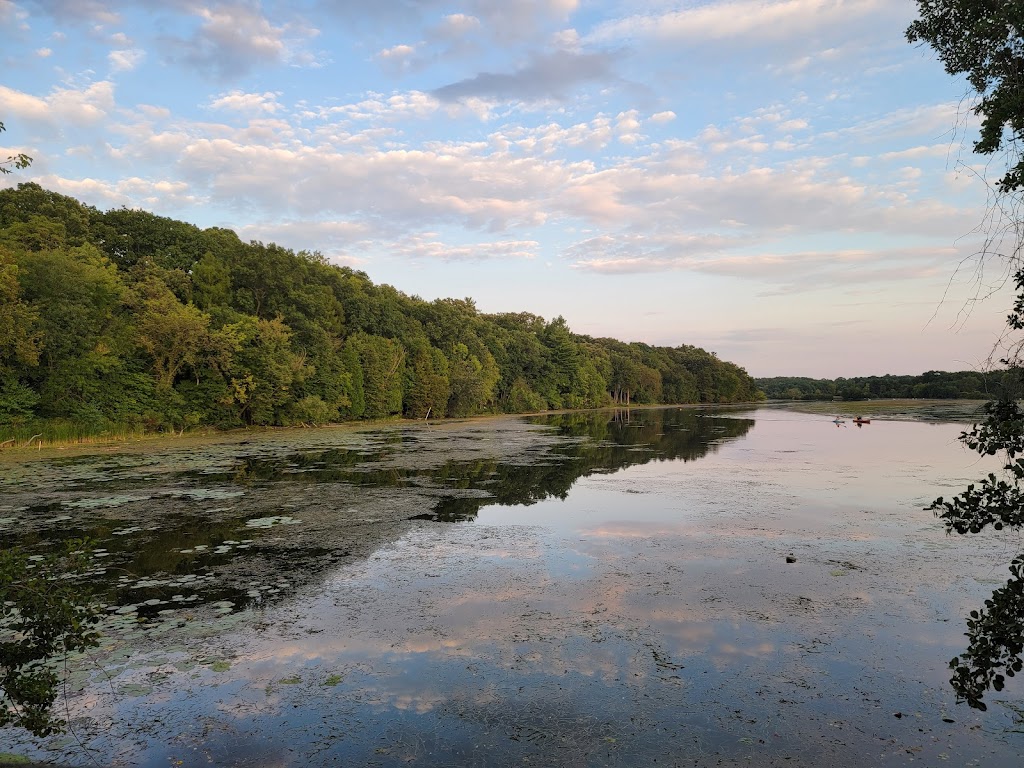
[588,589]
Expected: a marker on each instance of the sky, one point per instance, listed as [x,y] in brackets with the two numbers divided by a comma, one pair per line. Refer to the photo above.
[787,183]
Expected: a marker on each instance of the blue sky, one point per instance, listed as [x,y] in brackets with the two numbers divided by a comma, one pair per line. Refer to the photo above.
[785,182]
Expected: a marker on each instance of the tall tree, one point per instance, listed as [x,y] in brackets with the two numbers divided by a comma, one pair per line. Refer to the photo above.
[984,40]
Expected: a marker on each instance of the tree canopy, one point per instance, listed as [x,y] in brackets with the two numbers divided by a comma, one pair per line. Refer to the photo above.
[123,319]
[939,385]
[984,40]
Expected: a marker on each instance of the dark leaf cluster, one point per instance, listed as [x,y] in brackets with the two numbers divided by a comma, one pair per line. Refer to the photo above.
[45,615]
[984,41]
[996,632]
[996,642]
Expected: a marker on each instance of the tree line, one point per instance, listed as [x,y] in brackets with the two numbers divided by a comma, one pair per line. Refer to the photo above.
[122,318]
[941,385]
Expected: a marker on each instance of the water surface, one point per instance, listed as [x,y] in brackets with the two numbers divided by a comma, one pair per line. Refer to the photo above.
[589,589]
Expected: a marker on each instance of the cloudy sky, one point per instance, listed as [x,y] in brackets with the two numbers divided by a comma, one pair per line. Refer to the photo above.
[785,182]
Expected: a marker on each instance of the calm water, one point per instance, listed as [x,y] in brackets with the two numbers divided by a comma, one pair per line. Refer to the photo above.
[584,590]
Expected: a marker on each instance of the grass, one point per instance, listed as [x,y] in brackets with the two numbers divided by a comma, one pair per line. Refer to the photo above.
[60,432]
[898,410]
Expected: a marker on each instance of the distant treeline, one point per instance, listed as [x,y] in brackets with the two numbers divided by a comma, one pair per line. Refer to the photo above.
[125,319]
[969,385]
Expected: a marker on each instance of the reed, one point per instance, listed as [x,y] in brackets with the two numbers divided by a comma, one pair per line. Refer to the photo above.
[52,433]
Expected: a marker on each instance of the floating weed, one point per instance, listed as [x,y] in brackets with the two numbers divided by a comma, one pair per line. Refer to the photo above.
[294,680]
[220,666]
[135,689]
[102,501]
[270,522]
[207,494]
[223,607]
[190,580]
[332,680]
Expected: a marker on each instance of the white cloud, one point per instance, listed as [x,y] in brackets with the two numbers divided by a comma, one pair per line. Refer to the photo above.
[399,59]
[517,20]
[235,38]
[758,20]
[397,52]
[63,108]
[786,272]
[239,101]
[129,191]
[627,127]
[93,12]
[456,26]
[427,245]
[378,107]
[126,60]
[663,117]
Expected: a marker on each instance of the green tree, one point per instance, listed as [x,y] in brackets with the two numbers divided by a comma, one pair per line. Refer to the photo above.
[172,333]
[19,344]
[981,39]
[261,369]
[471,380]
[427,389]
[383,367]
[984,40]
[84,372]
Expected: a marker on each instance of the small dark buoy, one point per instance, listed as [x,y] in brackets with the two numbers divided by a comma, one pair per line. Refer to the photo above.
[790,559]
[897,714]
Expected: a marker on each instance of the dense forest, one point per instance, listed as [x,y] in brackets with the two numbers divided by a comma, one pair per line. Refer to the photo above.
[970,385]
[127,320]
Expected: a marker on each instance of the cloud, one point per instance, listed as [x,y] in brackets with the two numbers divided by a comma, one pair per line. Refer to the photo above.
[63,107]
[131,191]
[787,272]
[427,246]
[523,19]
[125,60]
[934,121]
[506,22]
[618,253]
[405,187]
[546,76]
[379,107]
[77,11]
[239,101]
[399,59]
[454,27]
[748,20]
[235,38]
[340,240]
